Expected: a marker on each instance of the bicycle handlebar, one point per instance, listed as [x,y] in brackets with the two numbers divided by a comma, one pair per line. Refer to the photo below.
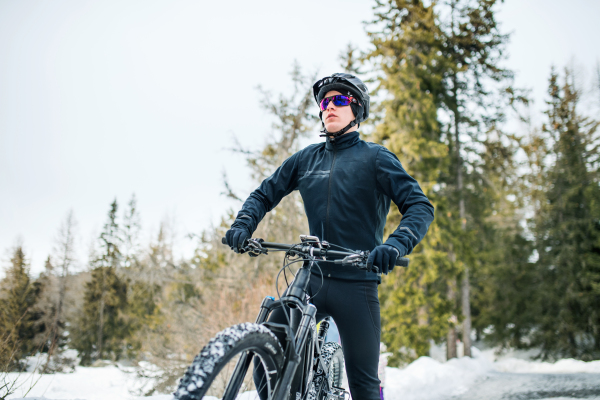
[320,252]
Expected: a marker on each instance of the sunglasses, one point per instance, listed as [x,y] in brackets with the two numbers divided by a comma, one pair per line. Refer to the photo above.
[339,100]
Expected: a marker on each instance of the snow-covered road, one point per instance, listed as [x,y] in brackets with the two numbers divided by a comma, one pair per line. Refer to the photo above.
[520,386]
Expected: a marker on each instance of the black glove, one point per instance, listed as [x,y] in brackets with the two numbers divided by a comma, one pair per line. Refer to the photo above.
[235,238]
[383,257]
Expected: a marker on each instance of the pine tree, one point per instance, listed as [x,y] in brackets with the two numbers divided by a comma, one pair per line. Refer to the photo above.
[45,307]
[442,119]
[408,53]
[504,278]
[18,295]
[102,328]
[479,92]
[567,227]
[150,276]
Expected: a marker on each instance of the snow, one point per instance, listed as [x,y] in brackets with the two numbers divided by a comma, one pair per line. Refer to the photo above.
[427,378]
[424,379]
[566,366]
[89,383]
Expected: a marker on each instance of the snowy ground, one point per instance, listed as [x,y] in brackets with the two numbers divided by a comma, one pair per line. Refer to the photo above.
[428,379]
[482,376]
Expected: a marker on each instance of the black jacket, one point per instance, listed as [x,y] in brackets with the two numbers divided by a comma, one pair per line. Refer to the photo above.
[347,186]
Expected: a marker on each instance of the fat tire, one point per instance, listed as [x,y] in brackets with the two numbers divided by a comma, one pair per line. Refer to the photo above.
[333,358]
[234,340]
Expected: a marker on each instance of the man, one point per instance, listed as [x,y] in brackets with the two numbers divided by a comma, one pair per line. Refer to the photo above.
[347,185]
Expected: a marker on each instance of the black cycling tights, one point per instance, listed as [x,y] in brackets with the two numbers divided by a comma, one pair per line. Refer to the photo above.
[354,306]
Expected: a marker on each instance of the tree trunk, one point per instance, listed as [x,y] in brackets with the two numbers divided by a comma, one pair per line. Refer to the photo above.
[422,317]
[451,337]
[466,311]
[101,316]
[57,316]
[465,286]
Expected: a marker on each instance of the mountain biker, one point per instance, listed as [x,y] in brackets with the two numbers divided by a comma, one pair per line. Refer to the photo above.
[347,185]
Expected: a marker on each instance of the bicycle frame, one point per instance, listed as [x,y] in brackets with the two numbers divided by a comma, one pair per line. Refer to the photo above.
[302,315]
[302,326]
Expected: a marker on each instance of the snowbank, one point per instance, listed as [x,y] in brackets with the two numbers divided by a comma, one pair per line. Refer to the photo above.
[427,378]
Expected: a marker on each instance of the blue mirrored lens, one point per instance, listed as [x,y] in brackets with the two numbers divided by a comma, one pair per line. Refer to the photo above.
[341,101]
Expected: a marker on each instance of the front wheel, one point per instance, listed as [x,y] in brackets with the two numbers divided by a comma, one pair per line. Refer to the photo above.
[221,369]
[324,381]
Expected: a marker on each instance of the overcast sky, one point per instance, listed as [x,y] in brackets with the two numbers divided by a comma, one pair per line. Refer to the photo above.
[102,99]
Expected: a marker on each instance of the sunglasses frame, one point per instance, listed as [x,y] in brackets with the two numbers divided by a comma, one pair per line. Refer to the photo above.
[351,99]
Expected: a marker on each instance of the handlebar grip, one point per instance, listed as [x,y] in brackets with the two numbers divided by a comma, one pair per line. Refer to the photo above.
[223,240]
[402,262]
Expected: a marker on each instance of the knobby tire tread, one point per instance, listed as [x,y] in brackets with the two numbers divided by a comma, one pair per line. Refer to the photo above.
[330,353]
[222,348]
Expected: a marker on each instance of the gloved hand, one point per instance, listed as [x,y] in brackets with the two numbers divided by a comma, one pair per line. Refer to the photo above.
[383,257]
[235,238]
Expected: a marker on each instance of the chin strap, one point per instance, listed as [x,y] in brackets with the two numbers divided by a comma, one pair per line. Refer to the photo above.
[324,132]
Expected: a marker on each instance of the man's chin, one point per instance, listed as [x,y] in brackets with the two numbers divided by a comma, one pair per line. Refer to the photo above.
[333,127]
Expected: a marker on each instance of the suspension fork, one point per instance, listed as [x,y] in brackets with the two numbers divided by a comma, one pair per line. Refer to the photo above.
[245,359]
[301,316]
[283,386]
[266,306]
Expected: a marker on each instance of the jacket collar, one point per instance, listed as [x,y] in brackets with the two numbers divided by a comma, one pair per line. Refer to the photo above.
[342,142]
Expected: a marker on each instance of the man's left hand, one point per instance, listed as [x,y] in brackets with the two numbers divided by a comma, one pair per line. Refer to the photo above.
[383,257]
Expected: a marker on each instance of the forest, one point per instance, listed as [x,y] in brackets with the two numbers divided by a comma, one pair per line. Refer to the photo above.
[512,258]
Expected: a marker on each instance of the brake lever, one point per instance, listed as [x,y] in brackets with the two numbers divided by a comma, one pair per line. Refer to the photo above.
[254,247]
[358,261]
[353,259]
[363,266]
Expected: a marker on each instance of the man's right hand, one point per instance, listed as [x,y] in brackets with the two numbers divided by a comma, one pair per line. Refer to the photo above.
[236,237]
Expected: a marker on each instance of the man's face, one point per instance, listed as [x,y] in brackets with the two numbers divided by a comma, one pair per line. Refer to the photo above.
[336,118]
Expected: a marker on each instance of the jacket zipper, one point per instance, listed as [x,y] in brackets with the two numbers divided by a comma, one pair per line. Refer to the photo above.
[329,193]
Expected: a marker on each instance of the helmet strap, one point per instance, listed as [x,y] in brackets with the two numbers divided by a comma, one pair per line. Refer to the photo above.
[324,132]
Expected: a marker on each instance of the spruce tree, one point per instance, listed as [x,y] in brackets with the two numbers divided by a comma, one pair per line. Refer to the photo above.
[439,63]
[45,307]
[18,295]
[148,277]
[102,328]
[567,227]
[408,54]
[478,94]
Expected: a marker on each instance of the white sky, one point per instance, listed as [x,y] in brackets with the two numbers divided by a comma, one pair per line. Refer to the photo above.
[102,99]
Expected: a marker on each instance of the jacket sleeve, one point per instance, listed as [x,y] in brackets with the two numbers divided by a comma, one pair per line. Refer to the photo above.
[270,192]
[405,192]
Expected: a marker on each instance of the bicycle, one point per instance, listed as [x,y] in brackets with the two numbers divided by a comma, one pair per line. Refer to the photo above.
[308,364]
